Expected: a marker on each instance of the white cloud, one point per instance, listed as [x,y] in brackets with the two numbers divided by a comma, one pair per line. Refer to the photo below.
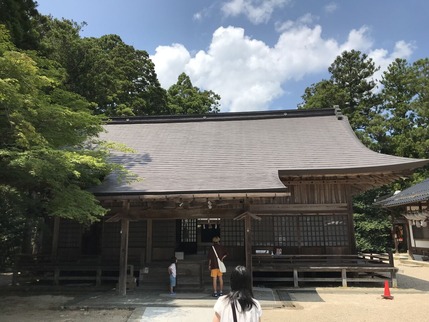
[198,16]
[204,13]
[331,7]
[248,74]
[302,21]
[170,61]
[256,11]
[358,40]
[382,58]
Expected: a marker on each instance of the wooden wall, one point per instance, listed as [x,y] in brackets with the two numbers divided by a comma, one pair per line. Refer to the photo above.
[322,225]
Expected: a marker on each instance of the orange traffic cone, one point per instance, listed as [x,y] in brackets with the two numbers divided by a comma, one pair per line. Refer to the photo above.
[386,294]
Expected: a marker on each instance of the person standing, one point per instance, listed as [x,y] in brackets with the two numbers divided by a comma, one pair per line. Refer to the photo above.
[215,272]
[172,271]
[239,304]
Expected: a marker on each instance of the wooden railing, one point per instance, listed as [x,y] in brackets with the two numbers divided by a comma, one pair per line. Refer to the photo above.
[362,267]
[365,267]
[31,268]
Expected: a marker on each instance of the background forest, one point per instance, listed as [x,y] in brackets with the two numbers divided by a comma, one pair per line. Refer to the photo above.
[57,89]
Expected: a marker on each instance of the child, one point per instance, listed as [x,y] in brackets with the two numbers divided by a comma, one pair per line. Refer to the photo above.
[172,272]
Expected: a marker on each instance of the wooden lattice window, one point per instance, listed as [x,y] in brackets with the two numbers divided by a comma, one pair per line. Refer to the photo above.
[301,231]
[286,231]
[263,232]
[188,230]
[311,231]
[336,230]
[232,233]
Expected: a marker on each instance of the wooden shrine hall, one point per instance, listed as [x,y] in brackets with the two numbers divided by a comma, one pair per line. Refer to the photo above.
[276,186]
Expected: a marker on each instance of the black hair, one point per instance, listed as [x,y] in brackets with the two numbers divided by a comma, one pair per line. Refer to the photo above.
[173,259]
[241,288]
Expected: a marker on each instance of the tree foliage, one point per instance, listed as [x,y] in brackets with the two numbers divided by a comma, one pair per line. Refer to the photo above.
[49,101]
[45,158]
[352,88]
[392,119]
[184,98]
[19,17]
[120,80]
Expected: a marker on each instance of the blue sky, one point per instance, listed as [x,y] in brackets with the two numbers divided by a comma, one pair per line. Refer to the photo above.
[257,54]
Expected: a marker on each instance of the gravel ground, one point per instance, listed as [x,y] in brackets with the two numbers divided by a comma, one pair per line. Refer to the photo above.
[326,304]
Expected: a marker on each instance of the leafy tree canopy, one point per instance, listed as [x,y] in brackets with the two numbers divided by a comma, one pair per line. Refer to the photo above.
[184,98]
[120,80]
[352,88]
[45,130]
[19,17]
[392,119]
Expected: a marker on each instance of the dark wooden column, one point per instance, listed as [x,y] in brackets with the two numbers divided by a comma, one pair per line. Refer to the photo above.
[55,237]
[123,259]
[248,244]
[247,217]
[351,220]
[149,225]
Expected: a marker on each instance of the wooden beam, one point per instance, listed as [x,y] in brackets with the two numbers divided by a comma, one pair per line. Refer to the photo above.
[137,214]
[284,208]
[191,196]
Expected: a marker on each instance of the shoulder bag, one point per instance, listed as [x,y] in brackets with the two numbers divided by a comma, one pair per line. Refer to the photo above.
[220,264]
[234,314]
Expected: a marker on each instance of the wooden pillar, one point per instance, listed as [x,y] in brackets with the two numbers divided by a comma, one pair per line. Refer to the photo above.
[248,244]
[295,278]
[55,237]
[149,225]
[351,221]
[410,238]
[344,277]
[123,258]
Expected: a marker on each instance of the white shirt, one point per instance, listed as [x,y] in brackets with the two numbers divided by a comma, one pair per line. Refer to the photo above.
[224,309]
[172,268]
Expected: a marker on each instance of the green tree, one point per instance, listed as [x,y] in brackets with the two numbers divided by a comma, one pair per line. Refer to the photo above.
[393,120]
[398,93]
[372,225]
[19,16]
[420,107]
[184,98]
[351,87]
[45,154]
[12,223]
[119,79]
[324,94]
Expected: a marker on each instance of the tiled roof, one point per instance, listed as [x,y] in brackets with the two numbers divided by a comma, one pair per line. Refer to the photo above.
[414,194]
[237,152]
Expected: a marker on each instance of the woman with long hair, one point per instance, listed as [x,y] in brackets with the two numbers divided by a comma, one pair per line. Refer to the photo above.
[239,304]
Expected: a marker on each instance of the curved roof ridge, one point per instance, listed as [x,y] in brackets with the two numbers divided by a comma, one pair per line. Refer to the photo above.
[253,115]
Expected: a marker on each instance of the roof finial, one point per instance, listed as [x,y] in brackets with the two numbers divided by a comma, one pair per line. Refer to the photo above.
[338,112]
